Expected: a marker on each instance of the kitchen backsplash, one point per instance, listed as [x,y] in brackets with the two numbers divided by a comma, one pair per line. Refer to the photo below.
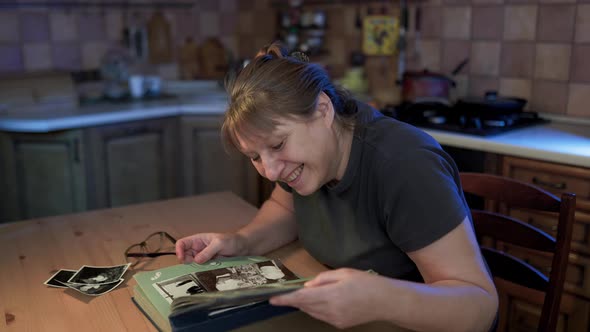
[538,50]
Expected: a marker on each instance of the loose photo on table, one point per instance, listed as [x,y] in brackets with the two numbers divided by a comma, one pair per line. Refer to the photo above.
[94,289]
[59,278]
[98,274]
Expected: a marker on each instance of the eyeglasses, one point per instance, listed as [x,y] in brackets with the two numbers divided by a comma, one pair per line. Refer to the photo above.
[154,245]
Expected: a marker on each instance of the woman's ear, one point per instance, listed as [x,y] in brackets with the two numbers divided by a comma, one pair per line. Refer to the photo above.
[326,109]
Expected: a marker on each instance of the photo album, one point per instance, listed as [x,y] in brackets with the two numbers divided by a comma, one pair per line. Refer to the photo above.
[220,294]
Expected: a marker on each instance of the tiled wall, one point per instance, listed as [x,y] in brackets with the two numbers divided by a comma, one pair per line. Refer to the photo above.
[536,49]
[57,38]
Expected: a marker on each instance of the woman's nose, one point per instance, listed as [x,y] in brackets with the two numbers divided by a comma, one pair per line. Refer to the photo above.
[272,168]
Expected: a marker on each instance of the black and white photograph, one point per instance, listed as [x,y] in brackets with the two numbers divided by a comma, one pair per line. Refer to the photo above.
[94,289]
[179,286]
[59,278]
[244,276]
[96,275]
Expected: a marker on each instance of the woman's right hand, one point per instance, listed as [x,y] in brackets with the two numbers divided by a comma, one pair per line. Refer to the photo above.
[201,247]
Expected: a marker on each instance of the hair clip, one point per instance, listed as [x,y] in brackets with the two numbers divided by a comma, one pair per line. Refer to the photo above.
[300,56]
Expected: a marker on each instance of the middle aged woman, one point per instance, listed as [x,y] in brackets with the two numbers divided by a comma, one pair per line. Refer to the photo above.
[360,191]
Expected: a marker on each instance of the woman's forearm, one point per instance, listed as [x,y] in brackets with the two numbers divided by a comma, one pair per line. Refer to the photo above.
[444,306]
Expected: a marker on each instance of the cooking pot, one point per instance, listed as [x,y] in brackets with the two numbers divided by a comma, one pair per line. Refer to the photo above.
[417,85]
[421,85]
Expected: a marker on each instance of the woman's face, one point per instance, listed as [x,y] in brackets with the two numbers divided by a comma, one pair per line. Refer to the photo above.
[304,154]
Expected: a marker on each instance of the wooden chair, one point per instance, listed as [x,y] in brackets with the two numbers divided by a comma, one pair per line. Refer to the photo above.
[502,194]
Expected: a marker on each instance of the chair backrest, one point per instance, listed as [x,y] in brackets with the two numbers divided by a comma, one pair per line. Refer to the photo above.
[503,229]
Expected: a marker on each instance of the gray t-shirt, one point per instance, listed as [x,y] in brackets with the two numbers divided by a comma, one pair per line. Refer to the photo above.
[400,192]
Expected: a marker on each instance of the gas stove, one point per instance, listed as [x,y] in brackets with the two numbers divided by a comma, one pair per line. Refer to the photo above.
[461,119]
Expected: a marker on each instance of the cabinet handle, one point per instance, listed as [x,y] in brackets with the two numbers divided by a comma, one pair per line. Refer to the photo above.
[560,186]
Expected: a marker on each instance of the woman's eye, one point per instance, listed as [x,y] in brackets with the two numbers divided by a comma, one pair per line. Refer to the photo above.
[278,146]
[255,159]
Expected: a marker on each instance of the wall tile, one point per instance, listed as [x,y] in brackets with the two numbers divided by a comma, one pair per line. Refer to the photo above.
[577,104]
[517,59]
[9,27]
[247,46]
[461,89]
[66,55]
[520,22]
[558,1]
[487,2]
[114,25]
[209,24]
[552,61]
[245,23]
[516,88]
[34,26]
[245,5]
[520,2]
[479,85]
[262,27]
[11,58]
[556,23]
[92,53]
[63,26]
[37,56]
[485,58]
[456,22]
[583,24]
[186,25]
[487,22]
[231,43]
[428,56]
[92,27]
[549,97]
[580,72]
[453,52]
[228,23]
[431,21]
[228,6]
[208,5]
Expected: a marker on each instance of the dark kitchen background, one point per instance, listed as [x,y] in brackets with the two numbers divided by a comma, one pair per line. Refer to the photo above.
[537,50]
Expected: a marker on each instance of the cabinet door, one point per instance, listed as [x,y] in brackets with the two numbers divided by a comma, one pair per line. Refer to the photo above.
[208,167]
[133,162]
[42,174]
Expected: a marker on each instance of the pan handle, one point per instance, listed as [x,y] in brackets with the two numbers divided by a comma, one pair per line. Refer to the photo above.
[460,66]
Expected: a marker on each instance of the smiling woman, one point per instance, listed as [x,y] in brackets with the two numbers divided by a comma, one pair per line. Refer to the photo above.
[361,192]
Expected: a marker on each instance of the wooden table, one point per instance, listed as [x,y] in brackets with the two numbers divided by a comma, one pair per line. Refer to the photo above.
[31,251]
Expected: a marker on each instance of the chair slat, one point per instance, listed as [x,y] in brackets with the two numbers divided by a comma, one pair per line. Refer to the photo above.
[512,231]
[514,269]
[518,194]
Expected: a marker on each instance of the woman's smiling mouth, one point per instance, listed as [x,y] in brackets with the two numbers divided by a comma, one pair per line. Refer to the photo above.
[295,174]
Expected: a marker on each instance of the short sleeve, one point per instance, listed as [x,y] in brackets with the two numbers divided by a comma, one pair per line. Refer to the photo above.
[423,198]
[285,186]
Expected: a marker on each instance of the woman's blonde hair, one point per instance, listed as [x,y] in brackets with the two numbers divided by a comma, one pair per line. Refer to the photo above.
[273,86]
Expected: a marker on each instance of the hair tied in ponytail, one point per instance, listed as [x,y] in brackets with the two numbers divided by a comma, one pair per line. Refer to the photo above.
[300,56]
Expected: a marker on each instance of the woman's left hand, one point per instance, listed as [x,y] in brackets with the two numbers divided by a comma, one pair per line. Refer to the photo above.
[341,297]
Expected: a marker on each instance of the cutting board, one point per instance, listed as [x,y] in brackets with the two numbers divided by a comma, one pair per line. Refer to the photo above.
[159,39]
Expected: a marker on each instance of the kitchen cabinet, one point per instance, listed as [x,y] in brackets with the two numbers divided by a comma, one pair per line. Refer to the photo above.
[556,178]
[42,174]
[132,162]
[208,167]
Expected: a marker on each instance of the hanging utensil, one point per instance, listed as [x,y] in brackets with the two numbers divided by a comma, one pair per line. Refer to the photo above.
[401,42]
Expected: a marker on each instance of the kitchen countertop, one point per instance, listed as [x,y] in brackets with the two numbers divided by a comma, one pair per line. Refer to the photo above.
[562,143]
[559,141]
